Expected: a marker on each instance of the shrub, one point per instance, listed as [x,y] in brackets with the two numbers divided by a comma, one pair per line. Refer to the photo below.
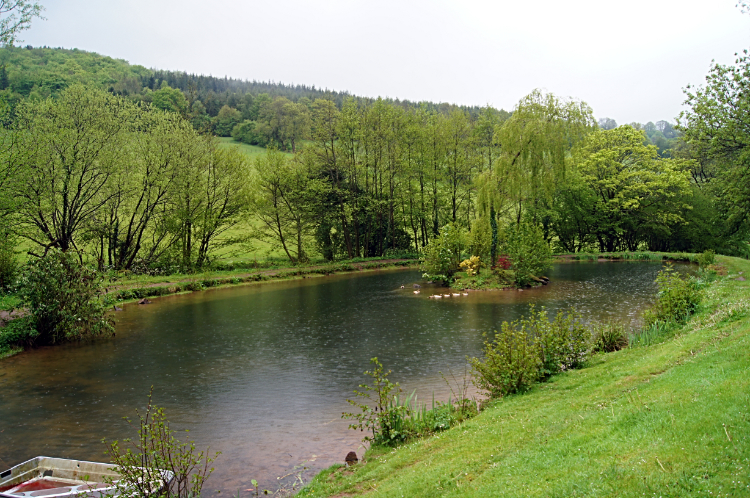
[18,333]
[528,251]
[531,349]
[382,419]
[143,464]
[677,299]
[503,262]
[471,265]
[564,341]
[64,299]
[608,337]
[706,259]
[8,264]
[511,362]
[192,286]
[443,254]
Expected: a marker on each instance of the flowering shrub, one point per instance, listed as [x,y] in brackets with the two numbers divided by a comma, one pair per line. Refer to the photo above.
[504,262]
[471,265]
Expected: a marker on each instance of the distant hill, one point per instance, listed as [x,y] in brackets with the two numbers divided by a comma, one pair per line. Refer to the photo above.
[44,71]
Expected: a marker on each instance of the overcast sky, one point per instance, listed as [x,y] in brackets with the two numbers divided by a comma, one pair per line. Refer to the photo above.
[628,60]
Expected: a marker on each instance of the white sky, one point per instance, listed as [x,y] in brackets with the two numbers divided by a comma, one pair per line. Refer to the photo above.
[628,60]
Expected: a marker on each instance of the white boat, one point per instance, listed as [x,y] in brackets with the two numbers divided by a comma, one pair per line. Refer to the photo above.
[59,477]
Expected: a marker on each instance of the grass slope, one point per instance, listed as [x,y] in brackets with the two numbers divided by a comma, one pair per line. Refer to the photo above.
[251,151]
[667,420]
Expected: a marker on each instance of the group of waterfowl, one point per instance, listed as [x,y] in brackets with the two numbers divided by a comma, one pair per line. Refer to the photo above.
[439,296]
[452,294]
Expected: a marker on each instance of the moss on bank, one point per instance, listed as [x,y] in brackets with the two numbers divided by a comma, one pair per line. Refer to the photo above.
[672,419]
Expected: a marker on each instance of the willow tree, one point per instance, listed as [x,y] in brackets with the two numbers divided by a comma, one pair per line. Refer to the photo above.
[534,144]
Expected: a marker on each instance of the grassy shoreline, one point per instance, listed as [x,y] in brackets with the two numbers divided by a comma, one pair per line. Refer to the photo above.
[627,256]
[126,291]
[672,419]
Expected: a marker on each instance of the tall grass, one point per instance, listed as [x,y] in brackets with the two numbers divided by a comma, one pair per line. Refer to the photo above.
[413,419]
[655,333]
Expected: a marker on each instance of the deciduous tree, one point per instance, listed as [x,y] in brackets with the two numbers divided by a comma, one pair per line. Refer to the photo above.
[637,192]
[71,148]
[16,16]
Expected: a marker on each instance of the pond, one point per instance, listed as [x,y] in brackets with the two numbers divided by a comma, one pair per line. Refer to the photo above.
[262,372]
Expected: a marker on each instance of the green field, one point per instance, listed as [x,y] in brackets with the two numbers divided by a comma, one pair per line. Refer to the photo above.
[666,420]
[251,151]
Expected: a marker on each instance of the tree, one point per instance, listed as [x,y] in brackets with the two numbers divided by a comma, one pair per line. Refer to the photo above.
[637,193]
[245,132]
[70,149]
[199,117]
[574,218]
[295,124]
[278,201]
[16,16]
[324,156]
[460,163]
[485,135]
[717,129]
[607,123]
[226,120]
[4,83]
[534,142]
[170,99]
[224,199]
[133,225]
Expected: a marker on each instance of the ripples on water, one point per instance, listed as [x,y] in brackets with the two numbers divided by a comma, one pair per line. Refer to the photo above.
[262,372]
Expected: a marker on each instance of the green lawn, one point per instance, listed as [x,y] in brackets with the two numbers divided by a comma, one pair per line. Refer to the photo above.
[251,151]
[666,420]
[250,250]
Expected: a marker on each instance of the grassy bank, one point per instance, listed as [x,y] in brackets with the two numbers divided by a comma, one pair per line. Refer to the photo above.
[628,256]
[672,419]
[138,287]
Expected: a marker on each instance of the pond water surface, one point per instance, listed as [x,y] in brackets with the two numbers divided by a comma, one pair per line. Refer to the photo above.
[262,372]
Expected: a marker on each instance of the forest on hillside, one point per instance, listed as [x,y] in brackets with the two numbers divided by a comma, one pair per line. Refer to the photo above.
[120,162]
[253,112]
